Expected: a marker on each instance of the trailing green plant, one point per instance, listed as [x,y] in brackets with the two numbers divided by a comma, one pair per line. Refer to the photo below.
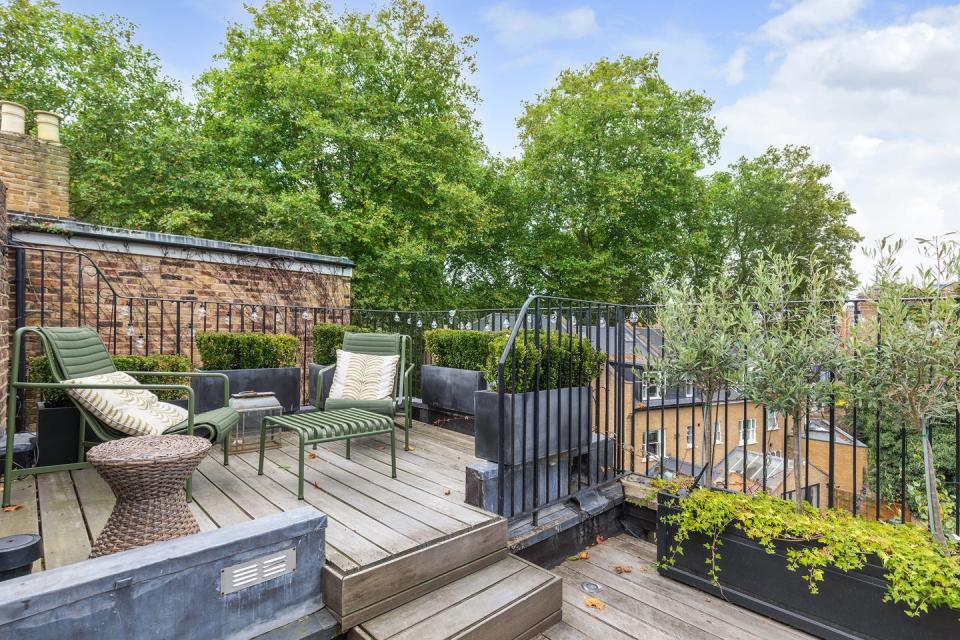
[38,370]
[564,361]
[459,348]
[328,337]
[920,574]
[251,350]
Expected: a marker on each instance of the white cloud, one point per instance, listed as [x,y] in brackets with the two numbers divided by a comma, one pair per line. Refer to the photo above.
[525,28]
[734,67]
[808,17]
[880,106]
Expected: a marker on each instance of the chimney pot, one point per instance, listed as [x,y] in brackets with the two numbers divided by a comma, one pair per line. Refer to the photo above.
[12,117]
[48,126]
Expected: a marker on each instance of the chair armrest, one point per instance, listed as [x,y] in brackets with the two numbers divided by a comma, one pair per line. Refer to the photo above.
[320,383]
[408,380]
[190,374]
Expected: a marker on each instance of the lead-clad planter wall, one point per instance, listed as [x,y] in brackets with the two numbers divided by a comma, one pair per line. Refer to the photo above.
[284,382]
[449,388]
[563,419]
[849,605]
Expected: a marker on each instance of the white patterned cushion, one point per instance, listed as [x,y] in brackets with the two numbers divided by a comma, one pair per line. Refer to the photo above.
[136,412]
[359,376]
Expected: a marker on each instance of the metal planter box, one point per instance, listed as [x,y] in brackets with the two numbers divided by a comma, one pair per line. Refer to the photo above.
[283,382]
[563,419]
[449,388]
[253,407]
[849,605]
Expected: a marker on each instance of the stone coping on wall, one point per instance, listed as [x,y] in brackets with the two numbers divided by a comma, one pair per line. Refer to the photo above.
[52,231]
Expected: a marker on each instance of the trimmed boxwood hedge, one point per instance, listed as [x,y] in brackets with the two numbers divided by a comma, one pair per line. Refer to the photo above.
[328,337]
[250,350]
[565,361]
[38,370]
[459,349]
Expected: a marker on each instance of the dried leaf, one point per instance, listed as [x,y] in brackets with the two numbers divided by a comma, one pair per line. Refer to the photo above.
[600,539]
[446,491]
[583,555]
[316,484]
[411,448]
[13,507]
[594,603]
[620,568]
[311,455]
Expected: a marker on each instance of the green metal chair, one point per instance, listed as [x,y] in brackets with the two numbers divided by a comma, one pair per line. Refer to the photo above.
[77,352]
[377,344]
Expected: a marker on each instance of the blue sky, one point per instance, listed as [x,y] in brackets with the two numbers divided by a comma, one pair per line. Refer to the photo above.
[870,85]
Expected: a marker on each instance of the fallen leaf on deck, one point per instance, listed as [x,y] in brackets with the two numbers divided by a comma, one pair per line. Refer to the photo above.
[600,539]
[311,455]
[411,448]
[594,603]
[446,491]
[13,507]
[573,558]
[382,448]
[583,555]
[316,484]
[618,569]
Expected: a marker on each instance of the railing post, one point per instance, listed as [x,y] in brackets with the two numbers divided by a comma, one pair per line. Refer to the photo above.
[20,310]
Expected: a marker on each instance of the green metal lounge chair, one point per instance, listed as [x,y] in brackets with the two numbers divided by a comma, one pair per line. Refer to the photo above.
[77,352]
[377,344]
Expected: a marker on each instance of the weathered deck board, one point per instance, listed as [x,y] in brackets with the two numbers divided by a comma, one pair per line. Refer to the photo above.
[65,537]
[96,499]
[640,603]
[24,519]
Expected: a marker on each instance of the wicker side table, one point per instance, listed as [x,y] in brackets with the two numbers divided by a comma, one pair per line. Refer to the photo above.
[147,474]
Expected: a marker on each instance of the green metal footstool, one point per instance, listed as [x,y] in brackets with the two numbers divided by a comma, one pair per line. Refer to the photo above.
[328,426]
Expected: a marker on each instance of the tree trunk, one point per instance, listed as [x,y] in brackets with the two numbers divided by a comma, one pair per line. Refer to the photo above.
[708,445]
[797,462]
[934,514]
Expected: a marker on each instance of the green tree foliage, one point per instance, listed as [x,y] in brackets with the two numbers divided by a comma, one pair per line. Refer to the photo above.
[607,186]
[781,201]
[121,115]
[352,135]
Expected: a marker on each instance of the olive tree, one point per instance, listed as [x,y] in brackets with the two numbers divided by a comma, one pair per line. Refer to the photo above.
[905,357]
[792,346]
[700,346]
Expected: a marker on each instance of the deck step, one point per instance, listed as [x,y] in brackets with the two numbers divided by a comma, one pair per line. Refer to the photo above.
[509,600]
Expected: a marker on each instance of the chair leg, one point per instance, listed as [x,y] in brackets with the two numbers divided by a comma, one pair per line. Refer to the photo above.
[226,447]
[348,448]
[393,453]
[300,477]
[263,444]
[406,425]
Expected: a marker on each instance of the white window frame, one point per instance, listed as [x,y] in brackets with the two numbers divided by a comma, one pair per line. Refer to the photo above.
[717,433]
[652,379]
[646,445]
[687,389]
[691,436]
[773,420]
[751,424]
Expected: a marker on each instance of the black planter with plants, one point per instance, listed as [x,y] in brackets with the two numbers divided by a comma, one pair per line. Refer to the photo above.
[58,421]
[848,603]
[263,362]
[456,373]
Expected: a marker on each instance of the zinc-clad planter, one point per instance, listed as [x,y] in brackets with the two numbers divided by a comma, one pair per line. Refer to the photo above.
[564,419]
[450,389]
[849,605]
[283,382]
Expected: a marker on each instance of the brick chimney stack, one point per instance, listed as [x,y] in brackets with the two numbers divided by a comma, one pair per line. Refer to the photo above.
[35,170]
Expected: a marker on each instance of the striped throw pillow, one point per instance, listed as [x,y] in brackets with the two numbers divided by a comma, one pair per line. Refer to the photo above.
[136,412]
[359,376]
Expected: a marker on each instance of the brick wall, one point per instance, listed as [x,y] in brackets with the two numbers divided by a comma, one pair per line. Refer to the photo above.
[37,175]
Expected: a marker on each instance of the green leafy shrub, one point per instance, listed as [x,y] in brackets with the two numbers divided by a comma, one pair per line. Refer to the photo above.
[919,572]
[459,349]
[327,338]
[251,350]
[38,370]
[565,361]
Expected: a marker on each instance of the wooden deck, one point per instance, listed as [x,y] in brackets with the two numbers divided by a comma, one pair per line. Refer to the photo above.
[388,540]
[640,603]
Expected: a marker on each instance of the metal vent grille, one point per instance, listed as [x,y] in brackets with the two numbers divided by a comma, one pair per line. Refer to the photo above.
[245,575]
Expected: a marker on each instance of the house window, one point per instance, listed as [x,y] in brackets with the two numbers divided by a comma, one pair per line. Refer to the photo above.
[688,390]
[772,420]
[717,433]
[690,437]
[652,383]
[748,429]
[651,444]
